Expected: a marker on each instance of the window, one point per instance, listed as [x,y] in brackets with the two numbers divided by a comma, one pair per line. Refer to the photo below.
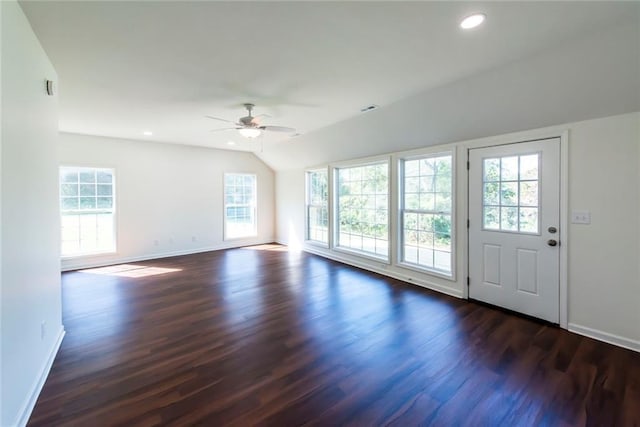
[426,206]
[363,208]
[317,206]
[240,205]
[87,210]
[510,194]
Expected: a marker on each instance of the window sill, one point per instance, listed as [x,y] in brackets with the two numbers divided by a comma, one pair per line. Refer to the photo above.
[430,272]
[316,244]
[235,239]
[88,255]
[366,255]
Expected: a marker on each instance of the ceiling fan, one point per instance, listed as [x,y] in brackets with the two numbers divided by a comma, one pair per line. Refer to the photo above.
[249,126]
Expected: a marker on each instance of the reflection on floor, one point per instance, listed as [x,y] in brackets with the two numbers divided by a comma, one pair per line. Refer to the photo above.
[244,337]
[130,270]
[268,247]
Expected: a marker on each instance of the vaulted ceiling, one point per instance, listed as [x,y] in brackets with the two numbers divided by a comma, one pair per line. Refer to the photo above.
[129,67]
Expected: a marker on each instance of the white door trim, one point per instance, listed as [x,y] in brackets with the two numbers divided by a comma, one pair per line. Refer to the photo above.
[564,206]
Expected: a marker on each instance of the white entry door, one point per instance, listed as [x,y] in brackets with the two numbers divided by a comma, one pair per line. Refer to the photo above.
[514,227]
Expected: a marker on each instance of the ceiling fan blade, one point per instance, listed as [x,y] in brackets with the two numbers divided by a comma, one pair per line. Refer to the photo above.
[257,119]
[218,130]
[218,118]
[277,129]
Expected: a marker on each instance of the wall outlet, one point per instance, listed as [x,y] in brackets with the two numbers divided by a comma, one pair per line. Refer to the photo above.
[156,243]
[171,240]
[193,238]
[580,217]
[43,329]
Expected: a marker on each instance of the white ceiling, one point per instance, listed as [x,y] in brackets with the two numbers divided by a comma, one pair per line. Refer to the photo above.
[127,67]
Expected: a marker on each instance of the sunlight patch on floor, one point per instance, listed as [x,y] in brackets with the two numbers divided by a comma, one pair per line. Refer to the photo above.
[130,270]
[268,247]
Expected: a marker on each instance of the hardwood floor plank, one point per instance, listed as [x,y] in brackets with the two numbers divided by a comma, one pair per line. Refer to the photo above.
[261,336]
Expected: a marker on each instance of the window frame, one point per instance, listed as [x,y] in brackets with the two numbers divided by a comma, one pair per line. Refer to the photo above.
[400,252]
[225,232]
[518,206]
[113,210]
[308,240]
[335,208]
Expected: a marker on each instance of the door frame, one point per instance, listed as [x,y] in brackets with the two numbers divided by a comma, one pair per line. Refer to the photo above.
[564,203]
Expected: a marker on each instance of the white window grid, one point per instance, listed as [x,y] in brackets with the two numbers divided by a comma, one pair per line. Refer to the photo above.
[87,200]
[240,205]
[318,206]
[426,212]
[515,204]
[363,226]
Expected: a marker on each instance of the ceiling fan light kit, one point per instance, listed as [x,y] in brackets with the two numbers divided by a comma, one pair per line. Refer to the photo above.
[249,132]
[249,126]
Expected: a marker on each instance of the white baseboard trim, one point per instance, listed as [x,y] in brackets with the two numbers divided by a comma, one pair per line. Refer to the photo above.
[27,408]
[605,336]
[92,263]
[389,273]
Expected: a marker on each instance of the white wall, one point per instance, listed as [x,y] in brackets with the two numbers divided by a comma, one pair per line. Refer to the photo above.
[604,178]
[30,263]
[290,207]
[169,193]
[593,76]
[603,257]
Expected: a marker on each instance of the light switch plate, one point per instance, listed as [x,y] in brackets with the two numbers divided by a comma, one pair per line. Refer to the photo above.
[581,217]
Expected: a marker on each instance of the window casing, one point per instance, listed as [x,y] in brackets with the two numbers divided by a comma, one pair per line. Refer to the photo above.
[240,217]
[87,211]
[362,209]
[426,206]
[317,211]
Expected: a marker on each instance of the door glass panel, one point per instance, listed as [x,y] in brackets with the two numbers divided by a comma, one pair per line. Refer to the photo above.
[491,170]
[491,190]
[528,193]
[529,167]
[509,168]
[509,219]
[529,220]
[510,193]
[491,218]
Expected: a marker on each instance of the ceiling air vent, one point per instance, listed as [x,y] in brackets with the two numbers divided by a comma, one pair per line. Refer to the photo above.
[369,108]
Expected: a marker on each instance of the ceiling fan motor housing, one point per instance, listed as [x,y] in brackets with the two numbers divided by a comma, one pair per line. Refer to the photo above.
[248,121]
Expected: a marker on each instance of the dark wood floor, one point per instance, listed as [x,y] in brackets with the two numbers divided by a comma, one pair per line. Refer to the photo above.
[245,336]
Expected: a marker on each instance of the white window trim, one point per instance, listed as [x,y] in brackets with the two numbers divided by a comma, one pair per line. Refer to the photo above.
[307,205]
[114,210]
[225,236]
[334,218]
[399,235]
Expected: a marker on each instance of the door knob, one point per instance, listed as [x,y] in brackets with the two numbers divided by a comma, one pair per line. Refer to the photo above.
[552,242]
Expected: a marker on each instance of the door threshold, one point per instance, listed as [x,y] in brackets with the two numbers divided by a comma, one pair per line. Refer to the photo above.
[514,313]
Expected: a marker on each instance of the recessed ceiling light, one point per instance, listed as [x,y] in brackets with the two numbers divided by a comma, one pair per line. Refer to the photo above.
[147,133]
[472,21]
[231,143]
